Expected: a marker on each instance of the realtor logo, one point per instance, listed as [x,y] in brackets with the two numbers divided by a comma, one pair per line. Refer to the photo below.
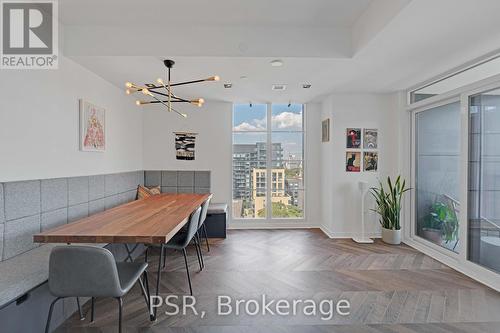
[29,35]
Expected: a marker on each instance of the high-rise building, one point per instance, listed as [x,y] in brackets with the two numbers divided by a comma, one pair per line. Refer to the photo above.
[249,171]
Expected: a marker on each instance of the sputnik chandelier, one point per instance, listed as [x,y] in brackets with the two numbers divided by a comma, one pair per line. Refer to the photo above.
[161,92]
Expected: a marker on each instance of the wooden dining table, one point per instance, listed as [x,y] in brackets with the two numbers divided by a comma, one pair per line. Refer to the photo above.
[153,220]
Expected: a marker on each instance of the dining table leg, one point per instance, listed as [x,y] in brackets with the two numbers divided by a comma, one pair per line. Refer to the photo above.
[130,251]
[158,278]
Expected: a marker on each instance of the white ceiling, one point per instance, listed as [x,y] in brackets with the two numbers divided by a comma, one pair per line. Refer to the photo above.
[337,46]
[183,13]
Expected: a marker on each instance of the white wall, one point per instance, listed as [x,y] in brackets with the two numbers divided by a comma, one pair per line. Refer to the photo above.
[340,197]
[39,131]
[213,123]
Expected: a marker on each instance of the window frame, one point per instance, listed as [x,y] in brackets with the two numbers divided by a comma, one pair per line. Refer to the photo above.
[269,220]
[458,261]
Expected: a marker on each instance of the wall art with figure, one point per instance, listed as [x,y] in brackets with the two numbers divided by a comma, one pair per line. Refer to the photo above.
[353,137]
[92,127]
[353,161]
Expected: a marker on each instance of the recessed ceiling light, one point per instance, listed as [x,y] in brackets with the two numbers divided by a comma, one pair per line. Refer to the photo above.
[279,87]
[277,63]
[228,85]
[306,86]
[244,77]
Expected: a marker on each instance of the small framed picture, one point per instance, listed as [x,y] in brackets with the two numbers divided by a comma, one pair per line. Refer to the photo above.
[353,161]
[353,138]
[325,130]
[370,161]
[370,138]
[92,127]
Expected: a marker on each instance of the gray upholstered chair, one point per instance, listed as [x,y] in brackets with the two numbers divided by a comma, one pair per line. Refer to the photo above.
[96,274]
[203,217]
[182,239]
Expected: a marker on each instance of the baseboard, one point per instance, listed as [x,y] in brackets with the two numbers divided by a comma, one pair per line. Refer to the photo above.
[236,226]
[481,275]
[339,235]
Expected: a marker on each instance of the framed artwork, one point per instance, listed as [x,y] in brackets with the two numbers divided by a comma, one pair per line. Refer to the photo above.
[184,145]
[370,161]
[353,161]
[353,138]
[370,138]
[325,130]
[92,127]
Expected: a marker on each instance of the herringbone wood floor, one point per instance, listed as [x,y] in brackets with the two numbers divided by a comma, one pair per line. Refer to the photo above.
[390,288]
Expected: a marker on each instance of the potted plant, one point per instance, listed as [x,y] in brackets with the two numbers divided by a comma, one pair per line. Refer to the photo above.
[389,208]
[431,229]
[441,224]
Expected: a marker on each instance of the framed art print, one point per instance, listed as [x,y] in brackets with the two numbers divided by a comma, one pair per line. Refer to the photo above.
[92,127]
[370,161]
[325,130]
[370,138]
[353,161]
[353,138]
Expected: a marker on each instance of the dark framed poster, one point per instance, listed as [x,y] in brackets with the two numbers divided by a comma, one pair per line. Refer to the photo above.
[353,138]
[185,145]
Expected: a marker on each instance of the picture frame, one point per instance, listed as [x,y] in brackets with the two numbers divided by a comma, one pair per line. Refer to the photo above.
[370,161]
[325,130]
[92,127]
[353,161]
[370,138]
[353,138]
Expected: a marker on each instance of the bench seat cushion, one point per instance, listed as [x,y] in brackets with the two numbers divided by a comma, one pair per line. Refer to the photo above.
[217,208]
[24,272]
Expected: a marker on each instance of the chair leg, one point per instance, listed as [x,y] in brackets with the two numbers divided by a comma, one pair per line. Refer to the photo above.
[92,309]
[201,252]
[120,310]
[146,284]
[195,241]
[187,270]
[51,309]
[206,236]
[146,254]
[164,257]
[80,312]
[144,289]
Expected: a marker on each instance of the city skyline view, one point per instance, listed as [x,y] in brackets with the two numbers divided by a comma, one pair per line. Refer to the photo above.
[250,165]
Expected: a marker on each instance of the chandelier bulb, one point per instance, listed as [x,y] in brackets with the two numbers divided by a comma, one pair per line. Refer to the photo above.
[128,85]
[145,91]
[213,78]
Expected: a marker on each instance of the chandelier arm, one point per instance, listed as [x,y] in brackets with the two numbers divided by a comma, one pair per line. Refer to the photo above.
[187,82]
[157,101]
[170,109]
[166,95]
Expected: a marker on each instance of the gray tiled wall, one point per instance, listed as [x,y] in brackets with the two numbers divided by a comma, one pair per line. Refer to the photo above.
[172,181]
[29,207]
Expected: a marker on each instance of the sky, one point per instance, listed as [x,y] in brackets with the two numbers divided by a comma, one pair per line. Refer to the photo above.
[250,124]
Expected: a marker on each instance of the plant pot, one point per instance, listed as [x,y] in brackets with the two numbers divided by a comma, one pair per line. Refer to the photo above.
[433,235]
[390,236]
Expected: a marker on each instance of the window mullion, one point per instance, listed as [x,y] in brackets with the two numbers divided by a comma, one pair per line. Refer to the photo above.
[269,162]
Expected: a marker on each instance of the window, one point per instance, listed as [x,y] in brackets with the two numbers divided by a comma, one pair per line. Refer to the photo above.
[268,149]
[484,180]
[437,178]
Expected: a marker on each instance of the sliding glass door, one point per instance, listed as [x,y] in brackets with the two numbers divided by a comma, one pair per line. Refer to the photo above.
[437,179]
[268,166]
[484,180]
